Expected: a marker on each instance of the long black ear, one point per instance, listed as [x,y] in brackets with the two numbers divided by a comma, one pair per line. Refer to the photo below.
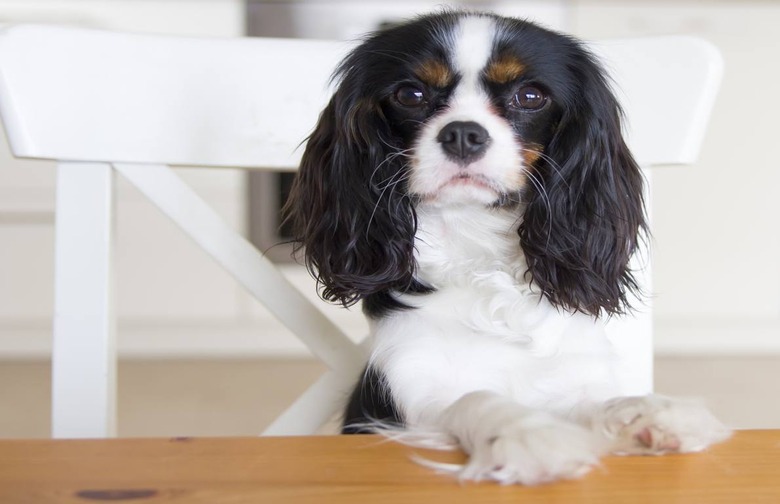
[348,204]
[579,236]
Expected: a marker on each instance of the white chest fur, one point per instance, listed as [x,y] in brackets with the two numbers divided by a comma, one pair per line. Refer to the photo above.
[485,328]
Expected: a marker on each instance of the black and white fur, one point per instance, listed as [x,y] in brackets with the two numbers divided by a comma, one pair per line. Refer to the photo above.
[468,182]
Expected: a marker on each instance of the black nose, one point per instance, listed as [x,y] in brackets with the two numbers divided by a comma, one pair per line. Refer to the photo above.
[464,141]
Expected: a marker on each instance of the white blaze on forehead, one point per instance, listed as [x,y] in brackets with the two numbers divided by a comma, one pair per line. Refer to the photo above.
[473,47]
[435,175]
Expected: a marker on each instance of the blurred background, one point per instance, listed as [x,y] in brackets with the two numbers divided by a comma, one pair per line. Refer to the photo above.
[200,357]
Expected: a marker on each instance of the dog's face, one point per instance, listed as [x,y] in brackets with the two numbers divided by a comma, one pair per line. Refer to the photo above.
[473,105]
[470,109]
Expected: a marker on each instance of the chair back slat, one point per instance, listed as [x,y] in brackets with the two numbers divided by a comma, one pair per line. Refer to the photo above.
[667,88]
[77,94]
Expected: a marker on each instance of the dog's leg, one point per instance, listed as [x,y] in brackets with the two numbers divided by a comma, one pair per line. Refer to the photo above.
[509,443]
[654,424]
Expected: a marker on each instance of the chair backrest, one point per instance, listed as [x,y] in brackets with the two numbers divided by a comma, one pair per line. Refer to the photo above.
[77,94]
[667,87]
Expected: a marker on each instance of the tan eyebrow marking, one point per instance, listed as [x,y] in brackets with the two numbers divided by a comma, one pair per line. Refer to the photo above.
[434,73]
[505,68]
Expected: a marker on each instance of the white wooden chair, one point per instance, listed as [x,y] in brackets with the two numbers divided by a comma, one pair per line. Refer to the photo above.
[101,102]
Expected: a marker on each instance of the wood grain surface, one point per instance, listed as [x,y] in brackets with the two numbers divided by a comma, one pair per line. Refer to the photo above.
[347,469]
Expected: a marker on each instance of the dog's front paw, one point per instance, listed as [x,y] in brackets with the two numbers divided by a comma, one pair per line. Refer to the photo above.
[654,425]
[531,450]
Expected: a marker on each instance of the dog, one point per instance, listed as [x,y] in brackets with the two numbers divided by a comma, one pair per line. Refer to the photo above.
[469,184]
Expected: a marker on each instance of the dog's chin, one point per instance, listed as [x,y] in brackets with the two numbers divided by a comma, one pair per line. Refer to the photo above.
[470,191]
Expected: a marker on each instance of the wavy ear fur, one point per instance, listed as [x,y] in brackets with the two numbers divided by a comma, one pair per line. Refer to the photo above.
[348,205]
[579,236]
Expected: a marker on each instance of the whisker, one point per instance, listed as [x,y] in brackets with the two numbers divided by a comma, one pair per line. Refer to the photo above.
[551,162]
[398,176]
[537,183]
[400,173]
[547,204]
[390,181]
[390,157]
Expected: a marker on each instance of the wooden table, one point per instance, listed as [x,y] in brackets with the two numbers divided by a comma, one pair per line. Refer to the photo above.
[358,469]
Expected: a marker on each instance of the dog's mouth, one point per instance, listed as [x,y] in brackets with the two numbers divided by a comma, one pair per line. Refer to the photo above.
[465,187]
[466,179]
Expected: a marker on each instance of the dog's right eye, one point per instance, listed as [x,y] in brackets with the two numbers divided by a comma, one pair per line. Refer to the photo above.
[409,96]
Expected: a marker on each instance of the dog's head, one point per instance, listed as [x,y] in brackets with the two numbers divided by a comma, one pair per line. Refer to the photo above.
[470,109]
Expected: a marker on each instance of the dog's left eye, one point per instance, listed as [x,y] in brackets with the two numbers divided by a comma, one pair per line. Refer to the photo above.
[409,96]
[529,98]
